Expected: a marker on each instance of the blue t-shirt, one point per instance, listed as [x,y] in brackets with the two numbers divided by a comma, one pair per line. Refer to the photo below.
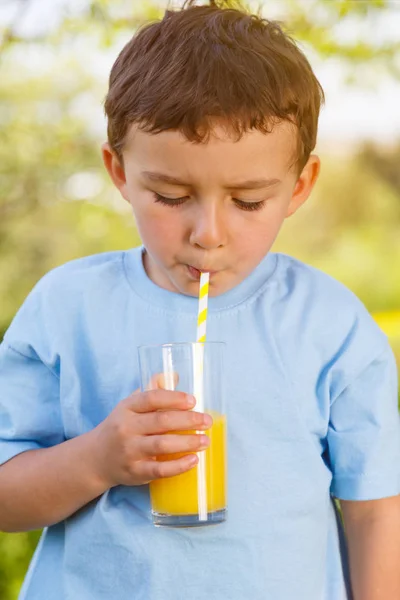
[312,413]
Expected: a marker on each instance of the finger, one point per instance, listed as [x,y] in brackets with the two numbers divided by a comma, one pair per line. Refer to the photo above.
[162,445]
[148,470]
[171,420]
[143,402]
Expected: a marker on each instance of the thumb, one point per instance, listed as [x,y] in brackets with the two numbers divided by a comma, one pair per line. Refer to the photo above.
[163,381]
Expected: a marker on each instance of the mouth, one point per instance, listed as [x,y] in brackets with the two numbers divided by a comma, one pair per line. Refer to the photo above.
[196,273]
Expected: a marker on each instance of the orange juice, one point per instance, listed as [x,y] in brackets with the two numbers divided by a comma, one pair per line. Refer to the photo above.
[203,487]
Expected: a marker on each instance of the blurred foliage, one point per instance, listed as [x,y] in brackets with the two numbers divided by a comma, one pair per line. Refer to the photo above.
[15,553]
[350,225]
[56,202]
[316,22]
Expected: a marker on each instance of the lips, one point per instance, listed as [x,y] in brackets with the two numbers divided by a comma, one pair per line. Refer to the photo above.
[195,273]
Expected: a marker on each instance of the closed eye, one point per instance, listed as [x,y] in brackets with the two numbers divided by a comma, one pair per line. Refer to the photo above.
[249,205]
[169,201]
[239,203]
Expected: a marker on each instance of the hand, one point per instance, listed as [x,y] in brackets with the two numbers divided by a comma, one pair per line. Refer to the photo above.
[134,434]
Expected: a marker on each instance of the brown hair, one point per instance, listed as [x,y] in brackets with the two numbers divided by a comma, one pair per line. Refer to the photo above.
[216,61]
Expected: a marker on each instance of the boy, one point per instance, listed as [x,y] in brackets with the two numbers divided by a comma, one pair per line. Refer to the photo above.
[212,118]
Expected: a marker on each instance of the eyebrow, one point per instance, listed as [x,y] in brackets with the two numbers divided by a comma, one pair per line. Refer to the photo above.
[252,184]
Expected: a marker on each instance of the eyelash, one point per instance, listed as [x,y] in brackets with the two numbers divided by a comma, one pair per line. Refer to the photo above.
[248,206]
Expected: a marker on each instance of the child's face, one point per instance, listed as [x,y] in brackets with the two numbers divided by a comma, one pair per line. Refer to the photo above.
[209,228]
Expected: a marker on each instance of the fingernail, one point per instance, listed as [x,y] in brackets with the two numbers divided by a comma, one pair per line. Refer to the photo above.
[191,401]
[192,459]
[207,420]
[204,441]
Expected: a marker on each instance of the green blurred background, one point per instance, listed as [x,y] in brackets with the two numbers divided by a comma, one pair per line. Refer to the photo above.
[57,204]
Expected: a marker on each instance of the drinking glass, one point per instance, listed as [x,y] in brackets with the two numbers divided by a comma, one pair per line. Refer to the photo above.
[198,496]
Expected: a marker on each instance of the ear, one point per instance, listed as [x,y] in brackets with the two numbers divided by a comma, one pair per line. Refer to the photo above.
[115,169]
[304,184]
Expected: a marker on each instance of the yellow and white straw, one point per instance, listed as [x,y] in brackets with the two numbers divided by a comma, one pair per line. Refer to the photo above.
[203,307]
[198,381]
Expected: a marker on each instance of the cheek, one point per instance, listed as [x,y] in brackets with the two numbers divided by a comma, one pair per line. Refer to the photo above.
[258,234]
[158,228]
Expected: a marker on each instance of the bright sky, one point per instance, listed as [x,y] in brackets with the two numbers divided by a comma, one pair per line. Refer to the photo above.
[350,113]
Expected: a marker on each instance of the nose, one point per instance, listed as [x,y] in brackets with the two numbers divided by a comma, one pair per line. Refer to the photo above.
[209,227]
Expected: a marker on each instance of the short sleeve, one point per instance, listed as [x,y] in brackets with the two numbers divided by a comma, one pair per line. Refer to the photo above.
[364,433]
[30,413]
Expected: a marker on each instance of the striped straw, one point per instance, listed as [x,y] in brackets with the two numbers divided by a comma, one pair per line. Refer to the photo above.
[203,307]
[198,388]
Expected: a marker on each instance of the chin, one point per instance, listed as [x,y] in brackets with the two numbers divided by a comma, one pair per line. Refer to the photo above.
[187,288]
